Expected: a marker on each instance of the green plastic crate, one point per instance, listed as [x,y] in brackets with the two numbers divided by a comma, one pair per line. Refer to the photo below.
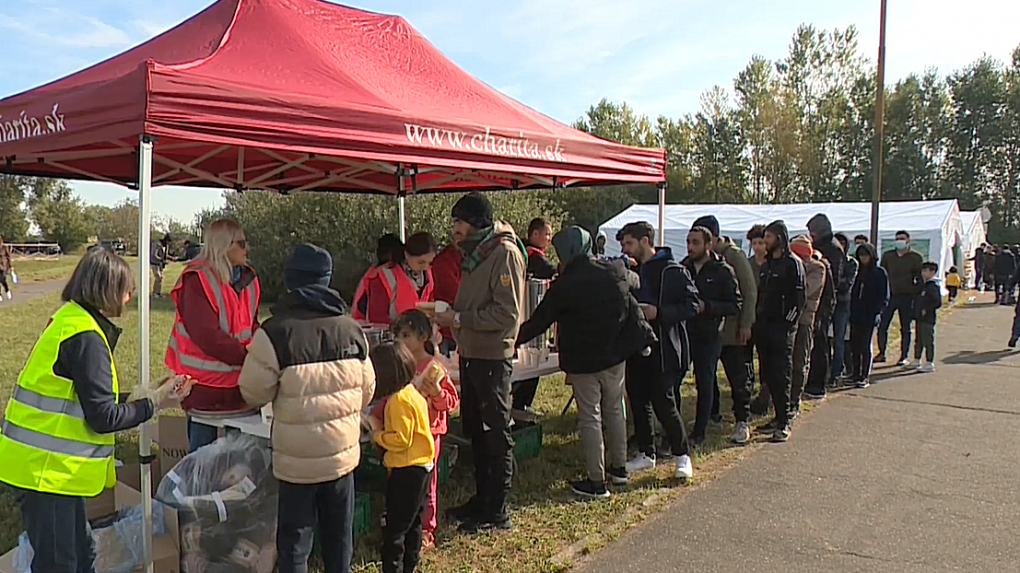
[362,513]
[528,442]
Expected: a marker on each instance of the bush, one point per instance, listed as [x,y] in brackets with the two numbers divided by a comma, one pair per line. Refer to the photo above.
[348,226]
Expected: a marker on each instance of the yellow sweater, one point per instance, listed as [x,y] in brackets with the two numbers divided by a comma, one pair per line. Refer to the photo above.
[953,280]
[406,434]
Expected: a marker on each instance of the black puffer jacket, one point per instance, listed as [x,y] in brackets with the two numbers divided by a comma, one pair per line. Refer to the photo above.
[717,289]
[825,242]
[780,283]
[668,286]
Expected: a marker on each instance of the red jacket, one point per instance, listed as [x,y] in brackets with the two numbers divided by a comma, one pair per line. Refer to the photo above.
[446,272]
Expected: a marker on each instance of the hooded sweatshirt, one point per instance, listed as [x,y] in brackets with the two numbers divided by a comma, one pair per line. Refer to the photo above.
[747,284]
[869,294]
[814,278]
[780,283]
[825,242]
[491,294]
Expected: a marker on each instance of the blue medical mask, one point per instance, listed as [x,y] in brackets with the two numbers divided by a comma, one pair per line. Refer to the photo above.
[901,244]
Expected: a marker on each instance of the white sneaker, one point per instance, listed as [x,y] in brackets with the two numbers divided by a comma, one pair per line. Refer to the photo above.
[640,462]
[927,367]
[911,365]
[741,434]
[10,295]
[684,469]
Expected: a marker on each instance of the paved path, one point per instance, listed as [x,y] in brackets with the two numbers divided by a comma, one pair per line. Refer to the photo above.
[30,289]
[918,473]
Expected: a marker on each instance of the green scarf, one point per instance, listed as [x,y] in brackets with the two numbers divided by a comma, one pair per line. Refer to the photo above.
[478,246]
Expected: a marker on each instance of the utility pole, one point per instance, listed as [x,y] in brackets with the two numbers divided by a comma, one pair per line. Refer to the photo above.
[876,198]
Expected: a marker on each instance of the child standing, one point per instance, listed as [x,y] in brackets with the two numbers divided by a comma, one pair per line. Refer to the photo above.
[928,303]
[953,282]
[869,296]
[406,437]
[414,330]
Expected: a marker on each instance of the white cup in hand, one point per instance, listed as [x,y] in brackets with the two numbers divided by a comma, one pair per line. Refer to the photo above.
[442,306]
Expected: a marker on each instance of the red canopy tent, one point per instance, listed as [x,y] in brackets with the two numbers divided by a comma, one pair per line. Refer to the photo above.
[289,96]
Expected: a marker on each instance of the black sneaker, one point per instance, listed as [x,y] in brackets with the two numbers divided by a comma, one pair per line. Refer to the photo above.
[862,384]
[487,523]
[759,406]
[880,359]
[617,476]
[465,512]
[781,434]
[589,489]
[1012,343]
[769,427]
[814,395]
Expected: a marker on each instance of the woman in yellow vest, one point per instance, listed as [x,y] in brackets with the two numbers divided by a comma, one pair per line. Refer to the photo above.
[57,438]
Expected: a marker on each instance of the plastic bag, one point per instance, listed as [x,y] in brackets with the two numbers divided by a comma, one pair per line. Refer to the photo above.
[14,276]
[118,540]
[226,499]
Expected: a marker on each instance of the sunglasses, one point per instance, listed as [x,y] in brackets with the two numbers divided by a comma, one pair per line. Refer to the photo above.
[241,243]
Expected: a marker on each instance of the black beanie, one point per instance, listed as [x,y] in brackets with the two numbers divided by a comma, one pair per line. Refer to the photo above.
[709,222]
[307,265]
[474,209]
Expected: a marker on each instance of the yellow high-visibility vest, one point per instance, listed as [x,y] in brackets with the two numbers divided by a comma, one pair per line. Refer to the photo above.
[45,443]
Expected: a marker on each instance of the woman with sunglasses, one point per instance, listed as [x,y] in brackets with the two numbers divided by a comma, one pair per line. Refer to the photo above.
[217,300]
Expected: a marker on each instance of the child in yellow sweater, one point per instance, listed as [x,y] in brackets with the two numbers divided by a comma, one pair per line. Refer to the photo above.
[953,282]
[405,434]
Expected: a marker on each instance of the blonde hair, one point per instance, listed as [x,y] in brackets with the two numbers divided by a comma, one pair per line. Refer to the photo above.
[219,238]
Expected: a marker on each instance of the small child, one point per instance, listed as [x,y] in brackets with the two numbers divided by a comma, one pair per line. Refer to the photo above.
[406,437]
[414,330]
[928,303]
[953,282]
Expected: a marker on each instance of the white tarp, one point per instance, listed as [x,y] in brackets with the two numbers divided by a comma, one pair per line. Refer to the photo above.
[973,237]
[935,227]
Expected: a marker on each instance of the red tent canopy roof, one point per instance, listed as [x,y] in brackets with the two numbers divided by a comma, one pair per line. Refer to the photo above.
[301,95]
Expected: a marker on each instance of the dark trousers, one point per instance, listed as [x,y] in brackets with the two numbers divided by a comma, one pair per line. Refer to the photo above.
[860,351]
[3,282]
[738,363]
[524,393]
[485,411]
[406,490]
[1016,322]
[652,391]
[775,360]
[200,435]
[330,505]
[840,322]
[953,292]
[1002,289]
[904,305]
[925,346]
[705,356]
[821,352]
[58,531]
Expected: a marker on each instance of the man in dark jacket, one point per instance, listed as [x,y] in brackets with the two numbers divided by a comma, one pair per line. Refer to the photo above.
[668,299]
[719,298]
[903,266]
[841,315]
[834,254]
[600,327]
[539,267]
[1005,264]
[869,297]
[780,302]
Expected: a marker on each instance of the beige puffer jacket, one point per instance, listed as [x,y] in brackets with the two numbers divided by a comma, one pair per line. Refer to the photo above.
[316,404]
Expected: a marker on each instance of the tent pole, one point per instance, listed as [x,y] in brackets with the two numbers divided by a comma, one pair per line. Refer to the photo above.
[145,456]
[876,198]
[401,216]
[662,214]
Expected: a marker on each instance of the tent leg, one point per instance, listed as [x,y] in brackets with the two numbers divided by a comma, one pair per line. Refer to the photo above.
[662,214]
[142,296]
[402,217]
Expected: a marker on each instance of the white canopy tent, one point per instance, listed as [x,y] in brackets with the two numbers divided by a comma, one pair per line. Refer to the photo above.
[973,237]
[935,227]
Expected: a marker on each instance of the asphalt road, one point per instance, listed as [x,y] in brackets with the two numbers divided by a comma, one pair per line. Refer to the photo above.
[919,473]
[30,289]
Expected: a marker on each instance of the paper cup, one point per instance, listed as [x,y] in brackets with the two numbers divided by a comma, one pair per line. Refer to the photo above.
[441,306]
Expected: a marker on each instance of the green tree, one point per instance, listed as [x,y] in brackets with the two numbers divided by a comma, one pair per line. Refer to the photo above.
[59,213]
[13,216]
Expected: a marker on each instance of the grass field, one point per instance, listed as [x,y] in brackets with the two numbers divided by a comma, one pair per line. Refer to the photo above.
[548,519]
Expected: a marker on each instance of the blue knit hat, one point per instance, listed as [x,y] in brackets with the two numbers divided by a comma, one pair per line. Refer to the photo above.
[307,265]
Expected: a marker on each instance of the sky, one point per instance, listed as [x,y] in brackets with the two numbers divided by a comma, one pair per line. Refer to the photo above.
[557,56]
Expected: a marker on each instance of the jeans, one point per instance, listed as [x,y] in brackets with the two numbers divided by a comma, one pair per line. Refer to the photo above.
[821,351]
[330,505]
[925,341]
[200,435]
[58,531]
[860,351]
[705,356]
[775,358]
[904,305]
[599,398]
[406,489]
[524,393]
[738,363]
[840,322]
[485,411]
[803,342]
[652,390]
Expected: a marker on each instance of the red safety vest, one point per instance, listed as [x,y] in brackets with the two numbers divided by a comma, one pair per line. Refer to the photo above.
[401,292]
[362,291]
[237,313]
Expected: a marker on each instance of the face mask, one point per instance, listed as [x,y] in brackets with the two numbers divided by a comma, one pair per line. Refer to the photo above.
[901,244]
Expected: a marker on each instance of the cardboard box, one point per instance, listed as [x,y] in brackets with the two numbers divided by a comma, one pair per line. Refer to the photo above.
[171,434]
[165,548]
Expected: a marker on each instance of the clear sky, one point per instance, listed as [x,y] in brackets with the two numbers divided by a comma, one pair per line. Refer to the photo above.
[558,56]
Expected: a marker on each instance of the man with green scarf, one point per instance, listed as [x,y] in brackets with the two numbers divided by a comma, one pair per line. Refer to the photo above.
[485,318]
[600,327]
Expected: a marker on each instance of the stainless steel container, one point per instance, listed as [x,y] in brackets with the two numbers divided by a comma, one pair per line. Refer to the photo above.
[534,293]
